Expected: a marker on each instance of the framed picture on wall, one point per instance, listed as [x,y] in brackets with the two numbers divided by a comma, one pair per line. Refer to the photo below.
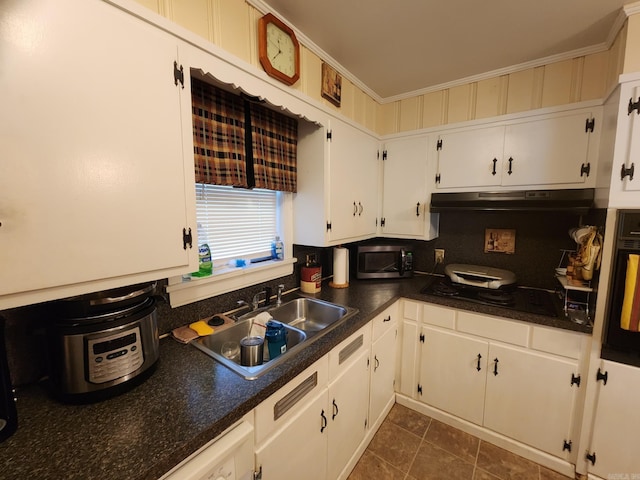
[331,84]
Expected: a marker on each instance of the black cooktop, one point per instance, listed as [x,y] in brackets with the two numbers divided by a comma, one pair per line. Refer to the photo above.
[522,299]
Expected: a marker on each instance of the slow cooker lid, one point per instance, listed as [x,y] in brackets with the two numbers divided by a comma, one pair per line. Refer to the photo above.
[99,306]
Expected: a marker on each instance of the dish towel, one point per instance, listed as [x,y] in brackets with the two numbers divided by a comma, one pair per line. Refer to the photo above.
[630,317]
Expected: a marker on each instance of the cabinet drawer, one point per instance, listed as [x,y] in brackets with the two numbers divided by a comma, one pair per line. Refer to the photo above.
[559,342]
[411,310]
[346,352]
[509,331]
[438,316]
[384,321]
[276,411]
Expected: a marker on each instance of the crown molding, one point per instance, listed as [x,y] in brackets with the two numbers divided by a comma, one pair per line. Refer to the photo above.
[624,13]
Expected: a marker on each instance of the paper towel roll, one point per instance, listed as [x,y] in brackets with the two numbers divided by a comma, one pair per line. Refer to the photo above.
[340,266]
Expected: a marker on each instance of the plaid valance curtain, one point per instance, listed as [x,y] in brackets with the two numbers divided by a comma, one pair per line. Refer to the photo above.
[241,143]
[218,136]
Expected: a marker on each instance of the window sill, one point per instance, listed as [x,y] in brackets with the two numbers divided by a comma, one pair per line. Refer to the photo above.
[182,292]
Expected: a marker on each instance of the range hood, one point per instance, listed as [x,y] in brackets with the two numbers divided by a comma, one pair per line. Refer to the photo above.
[577,201]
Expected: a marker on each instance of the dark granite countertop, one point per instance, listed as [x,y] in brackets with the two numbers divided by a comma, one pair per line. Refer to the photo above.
[189,400]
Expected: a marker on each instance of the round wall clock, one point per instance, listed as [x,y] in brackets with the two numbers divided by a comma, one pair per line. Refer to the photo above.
[279,50]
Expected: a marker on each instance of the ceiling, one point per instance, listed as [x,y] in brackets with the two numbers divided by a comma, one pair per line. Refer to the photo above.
[397,47]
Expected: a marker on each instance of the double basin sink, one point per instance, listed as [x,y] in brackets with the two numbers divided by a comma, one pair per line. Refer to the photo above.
[304,319]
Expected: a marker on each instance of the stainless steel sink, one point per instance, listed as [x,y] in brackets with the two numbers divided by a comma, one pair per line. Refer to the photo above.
[309,314]
[305,319]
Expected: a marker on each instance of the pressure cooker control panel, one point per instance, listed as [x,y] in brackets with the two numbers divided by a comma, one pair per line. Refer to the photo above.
[114,356]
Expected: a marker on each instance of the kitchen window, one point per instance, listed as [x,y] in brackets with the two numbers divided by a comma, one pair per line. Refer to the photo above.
[245,170]
[239,223]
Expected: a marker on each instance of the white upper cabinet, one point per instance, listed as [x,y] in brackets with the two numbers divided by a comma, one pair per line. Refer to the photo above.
[337,198]
[353,199]
[470,158]
[558,150]
[405,197]
[625,177]
[96,181]
[549,151]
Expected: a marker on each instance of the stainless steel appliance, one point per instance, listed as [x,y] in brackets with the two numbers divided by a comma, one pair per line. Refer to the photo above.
[627,242]
[102,344]
[494,287]
[8,412]
[576,201]
[384,261]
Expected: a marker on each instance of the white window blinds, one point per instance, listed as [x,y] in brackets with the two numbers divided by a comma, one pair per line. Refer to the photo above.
[239,223]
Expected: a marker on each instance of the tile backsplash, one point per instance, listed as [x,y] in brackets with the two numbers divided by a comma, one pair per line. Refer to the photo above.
[540,237]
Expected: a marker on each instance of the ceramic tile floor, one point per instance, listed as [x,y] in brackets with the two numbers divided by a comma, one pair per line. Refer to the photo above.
[412,446]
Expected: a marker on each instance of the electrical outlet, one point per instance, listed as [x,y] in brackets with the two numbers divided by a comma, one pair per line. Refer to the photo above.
[439,255]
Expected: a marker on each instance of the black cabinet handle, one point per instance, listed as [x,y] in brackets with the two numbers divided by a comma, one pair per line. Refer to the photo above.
[418,209]
[510,171]
[360,209]
[355,209]
[479,358]
[495,161]
[377,364]
[602,376]
[591,457]
[388,319]
[335,410]
[324,421]
[495,366]
[627,172]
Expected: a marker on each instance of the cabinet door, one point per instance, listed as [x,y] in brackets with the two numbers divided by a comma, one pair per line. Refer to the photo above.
[383,361]
[405,199]
[548,151]
[471,158]
[626,159]
[453,373]
[406,374]
[530,397]
[348,409]
[93,180]
[300,449]
[353,167]
[616,423]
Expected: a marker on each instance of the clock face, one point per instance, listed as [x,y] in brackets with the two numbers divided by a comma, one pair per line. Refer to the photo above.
[281,50]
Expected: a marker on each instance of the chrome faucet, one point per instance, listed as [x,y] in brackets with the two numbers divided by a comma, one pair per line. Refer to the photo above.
[279,298]
[267,298]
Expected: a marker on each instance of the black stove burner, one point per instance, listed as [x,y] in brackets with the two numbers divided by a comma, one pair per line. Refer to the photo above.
[496,297]
[528,300]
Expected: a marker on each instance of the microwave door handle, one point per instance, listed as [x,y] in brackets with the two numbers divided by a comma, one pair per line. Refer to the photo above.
[403,259]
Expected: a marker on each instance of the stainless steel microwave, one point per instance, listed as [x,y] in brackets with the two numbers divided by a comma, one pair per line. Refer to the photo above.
[384,261]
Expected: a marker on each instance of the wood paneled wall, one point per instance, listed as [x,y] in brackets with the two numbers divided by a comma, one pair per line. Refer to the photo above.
[232,25]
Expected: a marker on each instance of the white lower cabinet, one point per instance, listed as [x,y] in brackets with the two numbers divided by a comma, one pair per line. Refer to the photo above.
[453,373]
[530,397]
[291,428]
[383,363]
[299,450]
[349,402]
[611,453]
[313,426]
[512,378]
